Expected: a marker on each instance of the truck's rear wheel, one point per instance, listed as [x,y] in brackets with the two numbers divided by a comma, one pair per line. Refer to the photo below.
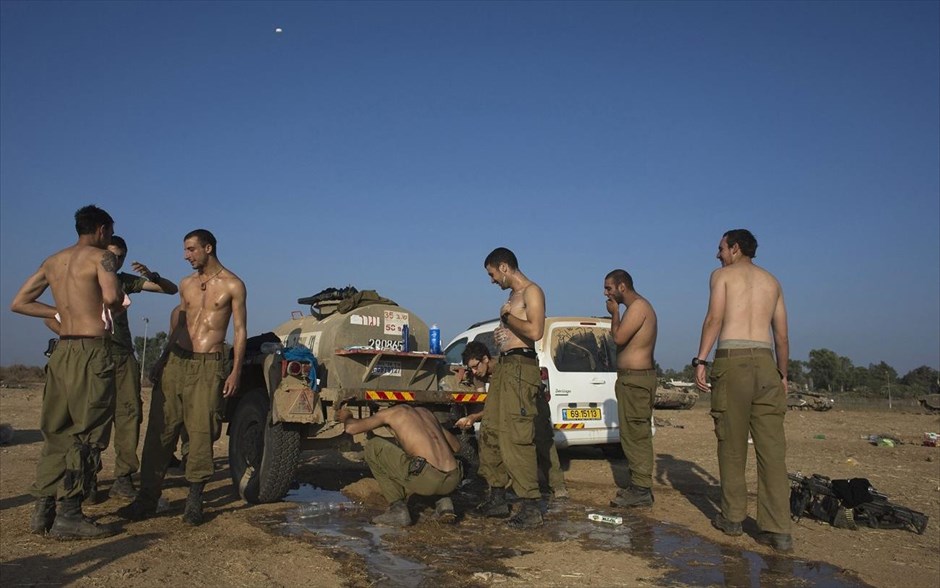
[262,457]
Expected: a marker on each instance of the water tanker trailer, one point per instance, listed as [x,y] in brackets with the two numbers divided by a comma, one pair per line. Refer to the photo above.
[349,349]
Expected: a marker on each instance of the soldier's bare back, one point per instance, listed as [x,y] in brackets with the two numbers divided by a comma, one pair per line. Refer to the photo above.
[83,282]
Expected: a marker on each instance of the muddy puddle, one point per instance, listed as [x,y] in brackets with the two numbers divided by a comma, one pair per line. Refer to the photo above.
[473,551]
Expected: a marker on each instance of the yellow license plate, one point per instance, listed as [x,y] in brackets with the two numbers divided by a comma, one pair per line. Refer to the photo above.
[581,414]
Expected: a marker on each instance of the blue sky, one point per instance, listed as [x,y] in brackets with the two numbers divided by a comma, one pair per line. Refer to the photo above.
[393,145]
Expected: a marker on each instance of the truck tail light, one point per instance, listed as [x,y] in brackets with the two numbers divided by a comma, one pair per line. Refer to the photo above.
[298,368]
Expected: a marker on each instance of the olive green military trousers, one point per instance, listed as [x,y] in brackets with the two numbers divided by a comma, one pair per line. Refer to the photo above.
[190,395]
[77,412]
[508,453]
[636,393]
[394,470]
[127,412]
[748,396]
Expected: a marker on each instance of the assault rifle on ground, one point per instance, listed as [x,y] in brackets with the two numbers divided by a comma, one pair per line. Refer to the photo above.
[848,503]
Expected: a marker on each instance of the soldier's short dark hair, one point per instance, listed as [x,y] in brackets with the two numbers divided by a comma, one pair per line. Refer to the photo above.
[205,238]
[89,218]
[619,276]
[744,240]
[119,242]
[474,350]
[501,255]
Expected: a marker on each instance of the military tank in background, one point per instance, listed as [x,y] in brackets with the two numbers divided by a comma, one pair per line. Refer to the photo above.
[669,397]
[809,401]
[930,403]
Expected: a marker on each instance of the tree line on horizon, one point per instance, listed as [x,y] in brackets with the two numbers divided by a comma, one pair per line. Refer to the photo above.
[823,370]
[826,370]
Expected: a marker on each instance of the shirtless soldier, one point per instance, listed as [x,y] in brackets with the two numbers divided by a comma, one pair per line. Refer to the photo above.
[635,336]
[422,462]
[748,387]
[127,409]
[195,380]
[78,399]
[510,408]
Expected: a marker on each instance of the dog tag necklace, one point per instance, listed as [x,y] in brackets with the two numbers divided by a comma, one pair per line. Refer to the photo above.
[202,284]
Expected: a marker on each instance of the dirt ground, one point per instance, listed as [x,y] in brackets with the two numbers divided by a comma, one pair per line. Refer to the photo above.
[243,545]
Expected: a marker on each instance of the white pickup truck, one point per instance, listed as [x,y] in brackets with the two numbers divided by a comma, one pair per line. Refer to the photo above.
[578,360]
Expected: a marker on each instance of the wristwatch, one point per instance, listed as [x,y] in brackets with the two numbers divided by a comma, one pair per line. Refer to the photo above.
[697,362]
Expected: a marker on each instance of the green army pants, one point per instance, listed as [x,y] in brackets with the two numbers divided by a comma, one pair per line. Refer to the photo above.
[190,395]
[127,412]
[491,466]
[636,394]
[549,466]
[507,436]
[491,462]
[748,395]
[391,467]
[77,412]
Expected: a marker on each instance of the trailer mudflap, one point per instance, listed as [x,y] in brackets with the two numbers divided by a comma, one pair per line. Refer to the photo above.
[296,404]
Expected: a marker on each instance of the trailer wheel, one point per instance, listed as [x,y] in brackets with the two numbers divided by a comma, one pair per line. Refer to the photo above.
[262,457]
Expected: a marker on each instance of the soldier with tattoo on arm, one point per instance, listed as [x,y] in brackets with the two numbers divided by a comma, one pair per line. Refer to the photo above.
[78,399]
[127,406]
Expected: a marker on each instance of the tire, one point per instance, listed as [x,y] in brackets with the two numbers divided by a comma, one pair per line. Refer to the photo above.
[262,457]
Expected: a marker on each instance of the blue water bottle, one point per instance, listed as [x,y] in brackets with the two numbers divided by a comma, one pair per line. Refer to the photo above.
[405,344]
[435,336]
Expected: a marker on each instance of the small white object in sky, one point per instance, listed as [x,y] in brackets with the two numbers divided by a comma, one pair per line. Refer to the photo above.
[278,30]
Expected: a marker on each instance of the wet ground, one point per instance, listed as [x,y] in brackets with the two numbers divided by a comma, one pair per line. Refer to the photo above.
[473,552]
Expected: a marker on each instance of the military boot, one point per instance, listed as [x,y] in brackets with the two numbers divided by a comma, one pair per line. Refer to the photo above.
[444,511]
[137,510]
[123,487]
[495,504]
[43,515]
[397,515]
[727,527]
[529,516]
[70,523]
[633,496]
[780,542]
[91,494]
[192,514]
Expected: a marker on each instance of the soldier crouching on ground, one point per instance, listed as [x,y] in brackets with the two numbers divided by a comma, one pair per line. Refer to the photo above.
[422,462]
